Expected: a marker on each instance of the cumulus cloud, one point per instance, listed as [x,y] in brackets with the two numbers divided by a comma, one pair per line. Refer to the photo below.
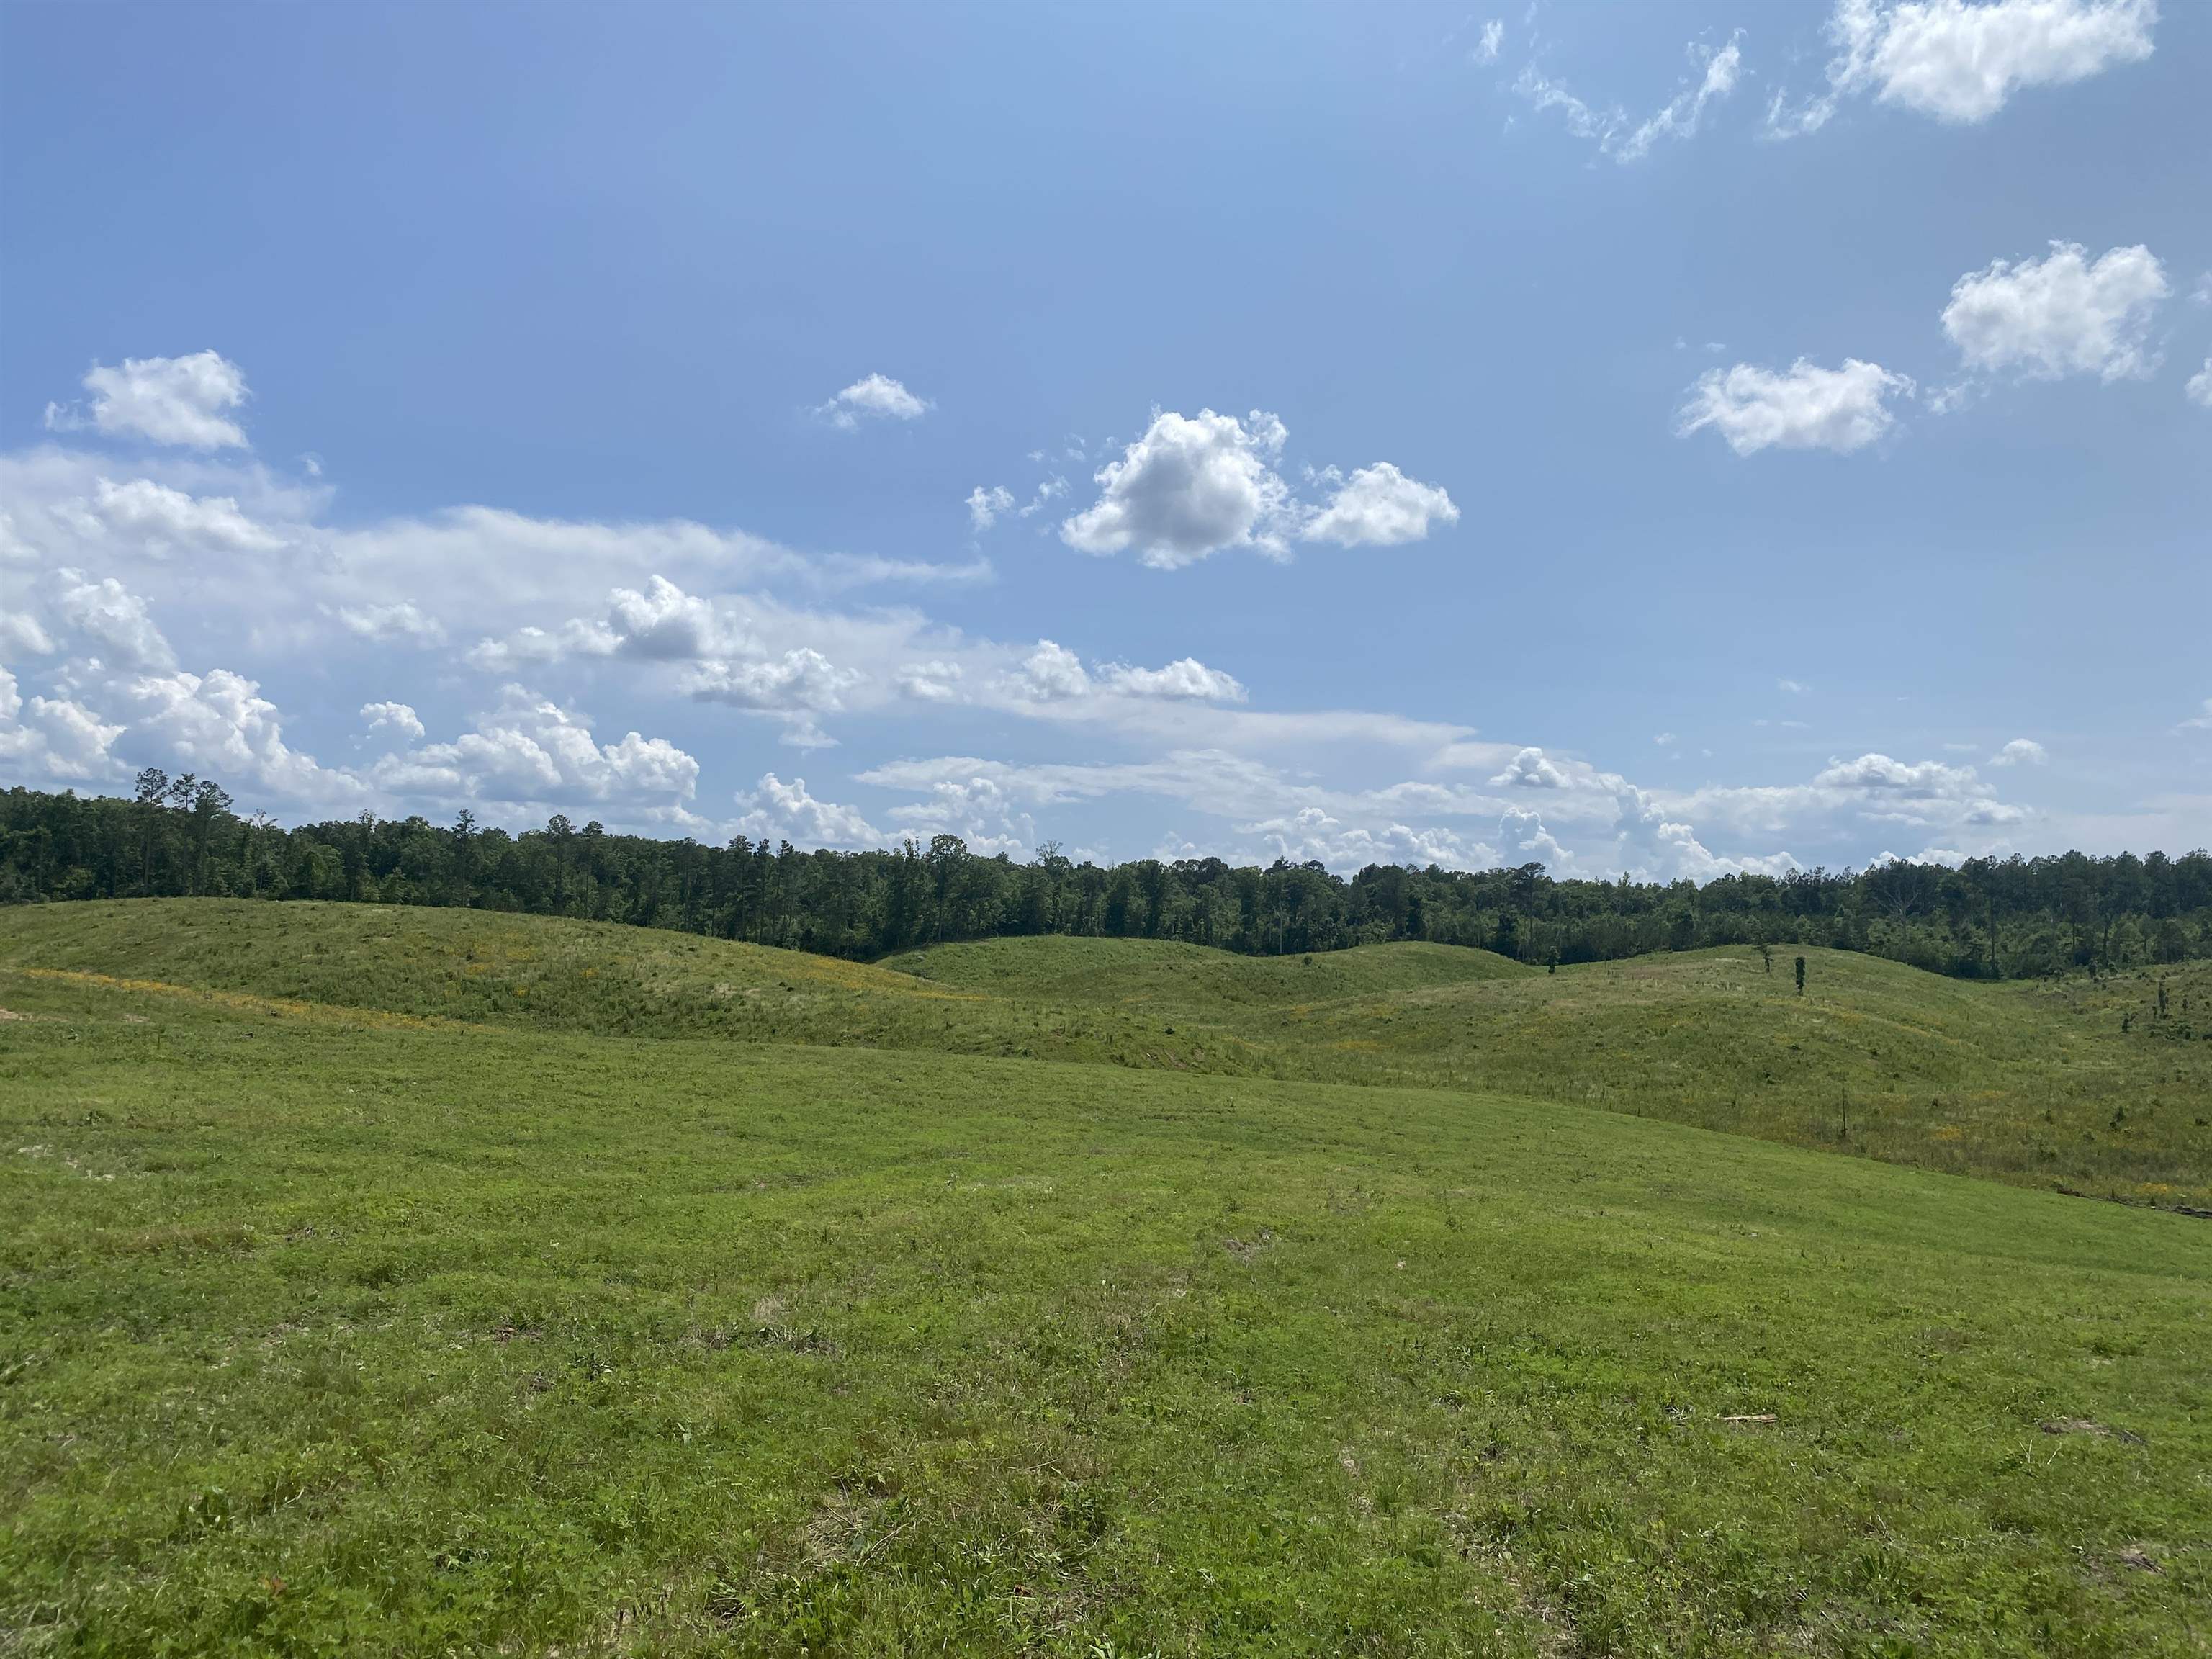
[54,737]
[663,623]
[1924,792]
[2060,315]
[1054,675]
[660,622]
[2200,385]
[113,619]
[1379,506]
[1961,62]
[163,519]
[798,680]
[1614,131]
[1802,407]
[1193,486]
[22,635]
[1190,487]
[391,716]
[1312,834]
[166,400]
[1186,679]
[219,723]
[530,751]
[1524,838]
[1051,673]
[978,809]
[1651,844]
[2020,752]
[1530,769]
[784,811]
[875,398]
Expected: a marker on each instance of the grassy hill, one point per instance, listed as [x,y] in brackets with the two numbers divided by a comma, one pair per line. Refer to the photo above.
[550,974]
[448,1327]
[1159,977]
[2029,1081]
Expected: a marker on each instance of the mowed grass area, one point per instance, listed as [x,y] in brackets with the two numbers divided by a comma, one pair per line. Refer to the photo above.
[2033,1083]
[1164,978]
[324,1331]
[553,974]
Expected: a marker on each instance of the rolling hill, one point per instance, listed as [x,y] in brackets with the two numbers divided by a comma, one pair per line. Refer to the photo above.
[2035,1083]
[387,1299]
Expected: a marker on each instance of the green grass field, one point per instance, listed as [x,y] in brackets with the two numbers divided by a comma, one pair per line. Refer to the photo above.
[2026,1082]
[387,1282]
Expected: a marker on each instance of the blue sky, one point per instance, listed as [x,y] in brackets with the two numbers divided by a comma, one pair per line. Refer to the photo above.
[1671,440]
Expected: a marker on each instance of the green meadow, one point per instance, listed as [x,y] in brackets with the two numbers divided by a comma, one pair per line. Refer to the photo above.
[426,1281]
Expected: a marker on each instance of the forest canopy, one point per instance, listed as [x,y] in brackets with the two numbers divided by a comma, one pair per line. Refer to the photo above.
[1988,918]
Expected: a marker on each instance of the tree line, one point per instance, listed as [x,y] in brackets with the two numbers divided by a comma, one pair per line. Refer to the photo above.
[2011,918]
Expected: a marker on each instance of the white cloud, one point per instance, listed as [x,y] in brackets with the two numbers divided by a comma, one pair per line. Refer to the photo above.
[2200,385]
[1310,834]
[1523,833]
[1047,493]
[661,625]
[400,623]
[985,506]
[168,400]
[162,518]
[1050,673]
[802,679]
[1529,769]
[985,815]
[22,635]
[113,618]
[2020,752]
[218,723]
[1948,857]
[784,811]
[1186,679]
[1802,407]
[396,716]
[54,736]
[1380,507]
[1664,739]
[1189,487]
[875,398]
[2059,315]
[529,751]
[931,682]
[1680,119]
[1961,62]
[1193,486]
[1493,37]
[1613,131]
[1795,688]
[2202,722]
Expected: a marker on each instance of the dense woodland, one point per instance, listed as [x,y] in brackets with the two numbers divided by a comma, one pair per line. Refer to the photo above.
[2012,918]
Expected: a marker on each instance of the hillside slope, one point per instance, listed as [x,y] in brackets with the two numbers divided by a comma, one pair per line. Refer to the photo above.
[339,1331]
[2033,1083]
[1167,978]
[554,973]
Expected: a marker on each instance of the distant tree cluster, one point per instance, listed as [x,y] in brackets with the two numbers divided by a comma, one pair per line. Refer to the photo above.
[2011,918]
